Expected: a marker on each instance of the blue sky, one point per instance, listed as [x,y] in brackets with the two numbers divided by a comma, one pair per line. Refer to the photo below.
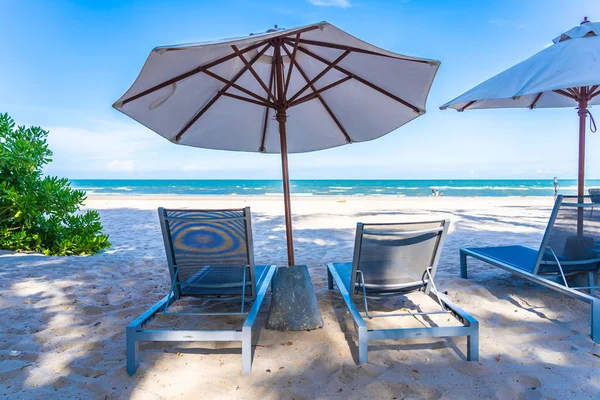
[65,62]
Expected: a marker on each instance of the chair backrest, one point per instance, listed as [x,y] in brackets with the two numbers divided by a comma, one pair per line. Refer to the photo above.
[395,257]
[573,234]
[210,250]
[594,195]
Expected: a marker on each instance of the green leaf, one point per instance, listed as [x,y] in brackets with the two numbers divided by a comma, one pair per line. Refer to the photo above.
[37,212]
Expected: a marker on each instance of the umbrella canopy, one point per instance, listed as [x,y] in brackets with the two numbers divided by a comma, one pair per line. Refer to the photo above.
[565,74]
[284,91]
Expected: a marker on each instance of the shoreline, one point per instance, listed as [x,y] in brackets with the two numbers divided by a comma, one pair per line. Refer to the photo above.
[201,197]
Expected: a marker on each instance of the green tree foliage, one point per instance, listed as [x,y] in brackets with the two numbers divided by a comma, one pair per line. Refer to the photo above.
[40,213]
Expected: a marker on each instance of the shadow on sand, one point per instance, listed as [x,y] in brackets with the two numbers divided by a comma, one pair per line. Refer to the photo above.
[67,317]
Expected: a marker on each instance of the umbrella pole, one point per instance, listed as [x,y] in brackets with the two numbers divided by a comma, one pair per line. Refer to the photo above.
[281,117]
[583,103]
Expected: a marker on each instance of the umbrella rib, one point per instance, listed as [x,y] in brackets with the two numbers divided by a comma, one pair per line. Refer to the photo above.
[253,72]
[318,92]
[566,94]
[262,148]
[469,104]
[238,87]
[574,92]
[325,105]
[537,98]
[307,29]
[330,65]
[259,103]
[292,59]
[363,81]
[358,50]
[191,73]
[594,94]
[218,95]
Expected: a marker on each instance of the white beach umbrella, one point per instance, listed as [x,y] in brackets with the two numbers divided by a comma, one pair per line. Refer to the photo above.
[565,74]
[284,91]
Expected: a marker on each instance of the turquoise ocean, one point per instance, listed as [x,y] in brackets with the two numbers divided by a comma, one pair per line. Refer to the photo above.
[408,188]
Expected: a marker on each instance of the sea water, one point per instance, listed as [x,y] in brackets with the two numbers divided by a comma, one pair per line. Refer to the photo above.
[454,187]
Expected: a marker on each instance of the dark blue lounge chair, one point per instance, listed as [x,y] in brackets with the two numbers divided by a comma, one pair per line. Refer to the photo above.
[571,245]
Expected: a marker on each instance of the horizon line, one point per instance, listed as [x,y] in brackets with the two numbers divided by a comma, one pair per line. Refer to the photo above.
[329,179]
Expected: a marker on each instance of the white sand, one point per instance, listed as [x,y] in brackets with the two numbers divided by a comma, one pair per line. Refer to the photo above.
[67,316]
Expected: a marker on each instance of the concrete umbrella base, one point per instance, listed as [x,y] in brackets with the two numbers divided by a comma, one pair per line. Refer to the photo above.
[294,305]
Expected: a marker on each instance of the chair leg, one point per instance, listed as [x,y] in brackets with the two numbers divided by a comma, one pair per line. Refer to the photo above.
[463,265]
[132,349]
[595,320]
[473,346]
[591,282]
[329,280]
[363,346]
[247,352]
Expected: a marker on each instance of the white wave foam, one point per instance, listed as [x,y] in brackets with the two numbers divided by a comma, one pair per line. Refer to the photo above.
[488,188]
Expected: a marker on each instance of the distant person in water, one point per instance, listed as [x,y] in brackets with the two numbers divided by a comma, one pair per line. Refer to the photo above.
[555,187]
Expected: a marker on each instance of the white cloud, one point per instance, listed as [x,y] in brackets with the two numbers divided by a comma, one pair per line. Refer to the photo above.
[102,146]
[331,3]
[120,165]
[103,141]
[107,149]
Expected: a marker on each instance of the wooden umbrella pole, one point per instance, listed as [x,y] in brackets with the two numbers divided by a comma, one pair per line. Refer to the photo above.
[583,103]
[281,117]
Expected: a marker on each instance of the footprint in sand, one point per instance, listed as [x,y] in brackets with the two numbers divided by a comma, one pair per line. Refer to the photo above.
[89,372]
[353,373]
[473,369]
[390,390]
[507,393]
[462,282]
[91,310]
[62,382]
[286,394]
[522,387]
[527,381]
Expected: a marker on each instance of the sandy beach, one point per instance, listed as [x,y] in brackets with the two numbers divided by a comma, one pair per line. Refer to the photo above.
[66,316]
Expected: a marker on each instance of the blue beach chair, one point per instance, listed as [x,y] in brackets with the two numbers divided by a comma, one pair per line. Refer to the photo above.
[210,255]
[571,245]
[391,260]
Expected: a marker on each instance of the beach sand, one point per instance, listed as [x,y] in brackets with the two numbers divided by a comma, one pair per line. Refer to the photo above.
[67,315]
